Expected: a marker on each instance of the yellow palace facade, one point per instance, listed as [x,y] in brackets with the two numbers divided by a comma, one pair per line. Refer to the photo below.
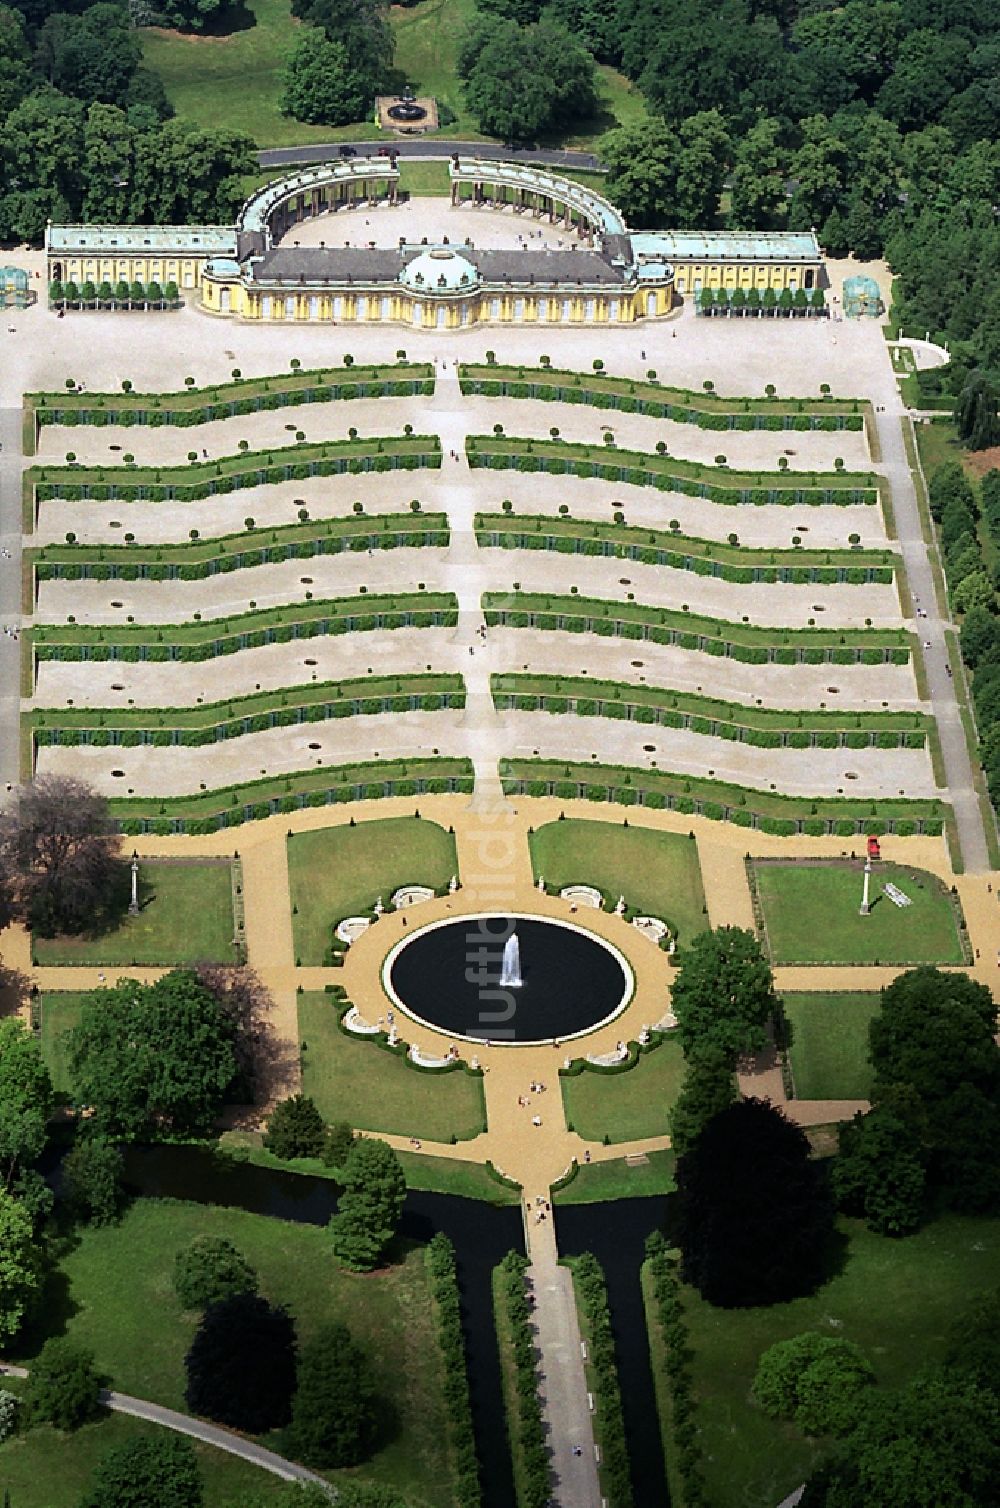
[607,275]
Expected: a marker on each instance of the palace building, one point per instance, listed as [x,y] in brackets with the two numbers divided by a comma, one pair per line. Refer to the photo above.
[606,275]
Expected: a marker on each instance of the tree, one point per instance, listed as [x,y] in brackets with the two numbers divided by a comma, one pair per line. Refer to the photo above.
[153,1471]
[91,1178]
[753,1217]
[759,201]
[723,994]
[15,60]
[362,26]
[64,1384]
[25,1100]
[305,1495]
[19,1265]
[879,1173]
[320,84]
[152,1059]
[817,1380]
[92,56]
[976,413]
[339,1141]
[295,1128]
[932,1443]
[642,172]
[191,15]
[210,1269]
[974,1341]
[523,81]
[334,1420]
[709,1086]
[244,1001]
[241,1364]
[370,1207]
[935,1031]
[58,840]
[182,176]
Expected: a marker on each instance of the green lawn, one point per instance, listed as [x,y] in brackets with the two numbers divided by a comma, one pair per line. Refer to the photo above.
[234,82]
[598,1181]
[625,1106]
[48,1469]
[339,871]
[60,1012]
[895,1299]
[374,1090]
[113,1292]
[186,916]
[658,873]
[434,1175]
[829,1049]
[812,915]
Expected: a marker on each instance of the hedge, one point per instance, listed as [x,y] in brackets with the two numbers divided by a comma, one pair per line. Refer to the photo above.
[444,1287]
[691,478]
[681,405]
[217,722]
[681,552]
[200,479]
[195,641]
[592,1295]
[762,727]
[526,1430]
[197,560]
[716,636]
[720,801]
[683,1446]
[230,806]
[192,406]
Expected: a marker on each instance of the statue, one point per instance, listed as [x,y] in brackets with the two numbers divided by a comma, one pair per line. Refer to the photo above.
[620,908]
[378,908]
[453,884]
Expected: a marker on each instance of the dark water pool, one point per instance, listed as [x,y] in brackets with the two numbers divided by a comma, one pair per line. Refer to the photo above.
[450,975]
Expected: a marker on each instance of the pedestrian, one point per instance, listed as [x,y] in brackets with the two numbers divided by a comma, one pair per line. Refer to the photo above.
[536,1120]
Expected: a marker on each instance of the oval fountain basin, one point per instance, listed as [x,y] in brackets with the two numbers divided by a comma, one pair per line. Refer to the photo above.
[447,976]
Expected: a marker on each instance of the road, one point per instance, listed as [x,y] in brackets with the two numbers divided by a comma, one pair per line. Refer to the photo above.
[208,1434]
[428,146]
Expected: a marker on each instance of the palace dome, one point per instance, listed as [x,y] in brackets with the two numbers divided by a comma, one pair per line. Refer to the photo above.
[440,270]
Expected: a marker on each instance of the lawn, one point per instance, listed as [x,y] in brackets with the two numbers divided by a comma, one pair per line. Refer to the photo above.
[340,871]
[48,1469]
[186,916]
[829,1049]
[658,873]
[795,896]
[234,81]
[895,1299]
[374,1090]
[625,1106]
[59,1012]
[598,1181]
[113,1292]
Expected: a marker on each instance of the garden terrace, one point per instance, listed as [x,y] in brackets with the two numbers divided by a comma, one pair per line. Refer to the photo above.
[706,409]
[767,728]
[200,479]
[720,801]
[222,636]
[215,722]
[681,552]
[737,641]
[194,405]
[198,559]
[229,806]
[641,469]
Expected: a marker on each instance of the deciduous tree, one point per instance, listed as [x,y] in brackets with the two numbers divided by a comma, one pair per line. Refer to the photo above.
[57,839]
[210,1269]
[334,1418]
[370,1207]
[154,1471]
[723,993]
[64,1384]
[241,1364]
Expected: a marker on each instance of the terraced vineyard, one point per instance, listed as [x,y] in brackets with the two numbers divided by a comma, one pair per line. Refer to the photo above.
[763,709]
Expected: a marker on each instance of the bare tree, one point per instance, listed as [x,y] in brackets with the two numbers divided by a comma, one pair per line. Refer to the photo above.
[58,843]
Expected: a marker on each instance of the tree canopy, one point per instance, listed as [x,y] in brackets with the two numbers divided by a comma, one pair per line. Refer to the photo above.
[753,1216]
[58,842]
[334,1419]
[210,1269]
[723,993]
[154,1471]
[369,1209]
[817,1380]
[152,1059]
[523,81]
[241,1364]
